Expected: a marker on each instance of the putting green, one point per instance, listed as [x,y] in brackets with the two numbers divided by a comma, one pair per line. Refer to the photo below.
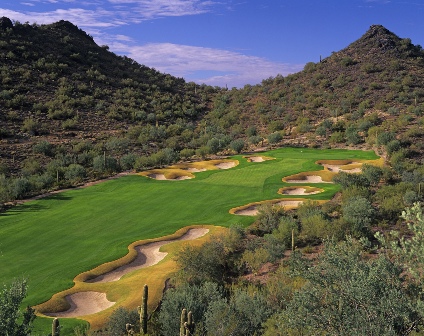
[50,241]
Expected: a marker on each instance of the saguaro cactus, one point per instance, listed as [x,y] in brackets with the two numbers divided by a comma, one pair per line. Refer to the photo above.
[55,327]
[183,322]
[142,310]
[189,325]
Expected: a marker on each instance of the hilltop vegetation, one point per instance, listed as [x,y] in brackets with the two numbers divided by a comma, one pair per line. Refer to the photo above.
[72,111]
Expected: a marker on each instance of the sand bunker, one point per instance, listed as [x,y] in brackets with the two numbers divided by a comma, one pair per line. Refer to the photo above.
[255,159]
[225,165]
[298,191]
[147,255]
[308,179]
[338,168]
[249,211]
[253,210]
[84,303]
[195,170]
[289,203]
[161,177]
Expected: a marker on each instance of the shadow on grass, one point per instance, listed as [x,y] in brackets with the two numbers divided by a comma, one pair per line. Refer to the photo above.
[33,207]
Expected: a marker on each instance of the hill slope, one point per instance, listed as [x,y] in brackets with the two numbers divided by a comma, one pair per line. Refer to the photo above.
[71,110]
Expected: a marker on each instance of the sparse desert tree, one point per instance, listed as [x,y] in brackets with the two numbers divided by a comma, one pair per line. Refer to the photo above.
[12,320]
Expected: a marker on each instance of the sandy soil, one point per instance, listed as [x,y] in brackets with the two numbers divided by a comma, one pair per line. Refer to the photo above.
[299,191]
[225,165]
[309,179]
[256,159]
[84,303]
[147,255]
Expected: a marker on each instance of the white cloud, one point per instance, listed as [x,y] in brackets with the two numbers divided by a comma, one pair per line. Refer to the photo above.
[78,16]
[233,69]
[150,9]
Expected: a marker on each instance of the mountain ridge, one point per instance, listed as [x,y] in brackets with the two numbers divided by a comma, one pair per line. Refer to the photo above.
[65,101]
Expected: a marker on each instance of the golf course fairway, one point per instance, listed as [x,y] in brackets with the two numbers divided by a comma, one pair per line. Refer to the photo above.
[52,240]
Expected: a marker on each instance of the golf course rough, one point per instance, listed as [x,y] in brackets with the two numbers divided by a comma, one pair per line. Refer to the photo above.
[79,229]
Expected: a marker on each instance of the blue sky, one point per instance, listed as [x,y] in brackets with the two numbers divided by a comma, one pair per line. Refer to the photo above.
[220,42]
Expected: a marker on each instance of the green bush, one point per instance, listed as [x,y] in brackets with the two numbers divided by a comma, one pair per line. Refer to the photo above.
[119,318]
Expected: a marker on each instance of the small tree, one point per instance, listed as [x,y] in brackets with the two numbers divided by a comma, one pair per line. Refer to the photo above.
[12,320]
[359,212]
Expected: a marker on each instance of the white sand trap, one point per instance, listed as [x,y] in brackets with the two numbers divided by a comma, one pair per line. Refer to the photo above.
[299,191]
[225,165]
[161,177]
[337,168]
[309,179]
[288,203]
[256,159]
[182,177]
[195,170]
[84,303]
[147,255]
[249,211]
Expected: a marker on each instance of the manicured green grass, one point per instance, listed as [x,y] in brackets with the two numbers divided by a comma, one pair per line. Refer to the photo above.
[51,240]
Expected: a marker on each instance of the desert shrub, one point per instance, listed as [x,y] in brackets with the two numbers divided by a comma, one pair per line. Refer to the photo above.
[241,315]
[43,147]
[337,137]
[314,228]
[12,320]
[254,259]
[237,145]
[75,173]
[31,126]
[19,187]
[203,263]
[187,153]
[118,320]
[127,161]
[393,146]
[194,298]
[103,164]
[31,166]
[384,138]
[281,238]
[268,218]
[117,145]
[143,162]
[359,213]
[255,139]
[274,138]
[372,173]
[352,136]
[410,197]
[347,180]
[355,191]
